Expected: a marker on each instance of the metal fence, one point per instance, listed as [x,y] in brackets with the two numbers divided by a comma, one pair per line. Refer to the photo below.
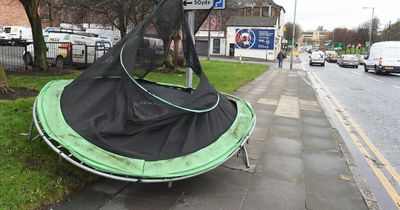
[12,56]
[59,55]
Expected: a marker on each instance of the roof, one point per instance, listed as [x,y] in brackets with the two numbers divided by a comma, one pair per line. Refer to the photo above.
[271,2]
[251,21]
[252,3]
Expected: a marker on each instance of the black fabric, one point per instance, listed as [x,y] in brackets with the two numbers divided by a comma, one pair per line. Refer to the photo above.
[113,106]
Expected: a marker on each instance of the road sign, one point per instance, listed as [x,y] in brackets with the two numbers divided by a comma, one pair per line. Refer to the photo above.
[203,4]
[219,4]
[197,4]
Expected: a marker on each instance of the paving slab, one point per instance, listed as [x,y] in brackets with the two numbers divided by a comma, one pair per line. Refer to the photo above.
[144,196]
[93,197]
[294,155]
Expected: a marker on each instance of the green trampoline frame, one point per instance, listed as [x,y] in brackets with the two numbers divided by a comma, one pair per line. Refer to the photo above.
[51,126]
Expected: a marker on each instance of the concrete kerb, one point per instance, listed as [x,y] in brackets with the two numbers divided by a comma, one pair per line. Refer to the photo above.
[361,182]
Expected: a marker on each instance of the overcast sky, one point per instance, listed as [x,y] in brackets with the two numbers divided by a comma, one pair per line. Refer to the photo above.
[339,13]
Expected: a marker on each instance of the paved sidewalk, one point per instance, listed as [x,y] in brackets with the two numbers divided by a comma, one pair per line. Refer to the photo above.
[296,162]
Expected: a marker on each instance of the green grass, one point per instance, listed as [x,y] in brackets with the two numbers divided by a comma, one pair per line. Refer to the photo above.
[35,82]
[225,76]
[32,175]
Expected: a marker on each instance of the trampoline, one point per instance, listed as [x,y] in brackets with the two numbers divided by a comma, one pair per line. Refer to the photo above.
[113,122]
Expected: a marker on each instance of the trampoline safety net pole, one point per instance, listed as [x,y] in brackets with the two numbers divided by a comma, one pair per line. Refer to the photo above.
[189,71]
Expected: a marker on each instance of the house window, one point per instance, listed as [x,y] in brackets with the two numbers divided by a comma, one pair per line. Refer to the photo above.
[216,46]
[266,11]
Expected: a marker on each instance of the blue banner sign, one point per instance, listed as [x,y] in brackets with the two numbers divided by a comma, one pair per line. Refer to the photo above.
[247,38]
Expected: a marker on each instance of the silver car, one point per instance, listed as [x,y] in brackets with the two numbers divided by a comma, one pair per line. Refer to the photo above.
[348,60]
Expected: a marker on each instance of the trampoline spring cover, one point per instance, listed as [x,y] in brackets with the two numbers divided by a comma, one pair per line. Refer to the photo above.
[48,110]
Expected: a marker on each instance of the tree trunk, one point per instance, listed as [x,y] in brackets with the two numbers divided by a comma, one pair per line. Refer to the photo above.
[39,46]
[4,87]
[122,26]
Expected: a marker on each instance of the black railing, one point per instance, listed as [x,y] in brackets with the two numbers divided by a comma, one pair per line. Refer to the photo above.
[59,55]
[12,56]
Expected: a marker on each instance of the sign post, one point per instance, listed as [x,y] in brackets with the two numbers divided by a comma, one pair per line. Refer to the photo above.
[191,22]
[193,5]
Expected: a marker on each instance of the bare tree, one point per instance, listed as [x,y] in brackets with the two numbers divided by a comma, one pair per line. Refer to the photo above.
[339,35]
[39,46]
[391,32]
[120,13]
[288,33]
[350,37]
[363,31]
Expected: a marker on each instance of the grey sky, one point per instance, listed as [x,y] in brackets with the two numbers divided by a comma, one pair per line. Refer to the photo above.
[339,13]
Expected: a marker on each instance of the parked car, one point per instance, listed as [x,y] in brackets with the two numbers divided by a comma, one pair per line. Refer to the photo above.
[348,60]
[64,47]
[317,57]
[331,56]
[383,57]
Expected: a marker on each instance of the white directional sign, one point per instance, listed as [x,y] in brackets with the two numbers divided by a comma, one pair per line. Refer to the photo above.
[197,4]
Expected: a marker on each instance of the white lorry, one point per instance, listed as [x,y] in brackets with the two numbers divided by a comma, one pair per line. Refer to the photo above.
[15,34]
[383,57]
[67,47]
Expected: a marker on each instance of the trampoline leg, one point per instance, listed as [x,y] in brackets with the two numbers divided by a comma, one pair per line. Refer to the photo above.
[31,131]
[169,184]
[246,155]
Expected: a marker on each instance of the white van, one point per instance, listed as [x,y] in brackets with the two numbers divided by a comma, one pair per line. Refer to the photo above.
[64,47]
[14,34]
[383,57]
[317,57]
[113,35]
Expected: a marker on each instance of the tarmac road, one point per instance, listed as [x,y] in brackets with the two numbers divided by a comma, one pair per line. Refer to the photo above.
[372,101]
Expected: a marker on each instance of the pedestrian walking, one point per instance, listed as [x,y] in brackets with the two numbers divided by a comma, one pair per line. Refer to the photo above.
[280,58]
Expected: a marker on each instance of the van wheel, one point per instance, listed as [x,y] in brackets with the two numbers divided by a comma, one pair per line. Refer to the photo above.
[377,71]
[60,62]
[27,59]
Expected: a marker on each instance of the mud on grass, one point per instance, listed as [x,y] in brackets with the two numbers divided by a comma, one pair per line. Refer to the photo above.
[18,92]
[49,73]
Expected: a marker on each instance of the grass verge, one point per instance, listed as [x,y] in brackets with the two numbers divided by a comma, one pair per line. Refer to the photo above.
[32,175]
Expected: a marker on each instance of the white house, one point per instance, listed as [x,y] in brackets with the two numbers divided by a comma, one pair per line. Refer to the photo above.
[253,37]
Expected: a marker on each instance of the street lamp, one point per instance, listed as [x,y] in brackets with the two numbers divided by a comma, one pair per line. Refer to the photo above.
[370,29]
[294,33]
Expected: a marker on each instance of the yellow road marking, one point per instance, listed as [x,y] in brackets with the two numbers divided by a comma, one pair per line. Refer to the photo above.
[378,154]
[349,124]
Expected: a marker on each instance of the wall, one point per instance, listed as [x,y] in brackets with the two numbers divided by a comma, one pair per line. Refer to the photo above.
[12,13]
[203,35]
[252,53]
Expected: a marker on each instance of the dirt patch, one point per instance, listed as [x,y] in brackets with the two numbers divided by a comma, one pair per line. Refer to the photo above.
[19,92]
[33,163]
[51,72]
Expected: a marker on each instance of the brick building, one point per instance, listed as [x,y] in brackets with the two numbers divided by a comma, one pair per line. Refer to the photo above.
[12,13]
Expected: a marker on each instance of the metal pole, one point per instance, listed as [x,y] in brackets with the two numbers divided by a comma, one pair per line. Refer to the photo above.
[209,39]
[189,71]
[294,33]
[370,29]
